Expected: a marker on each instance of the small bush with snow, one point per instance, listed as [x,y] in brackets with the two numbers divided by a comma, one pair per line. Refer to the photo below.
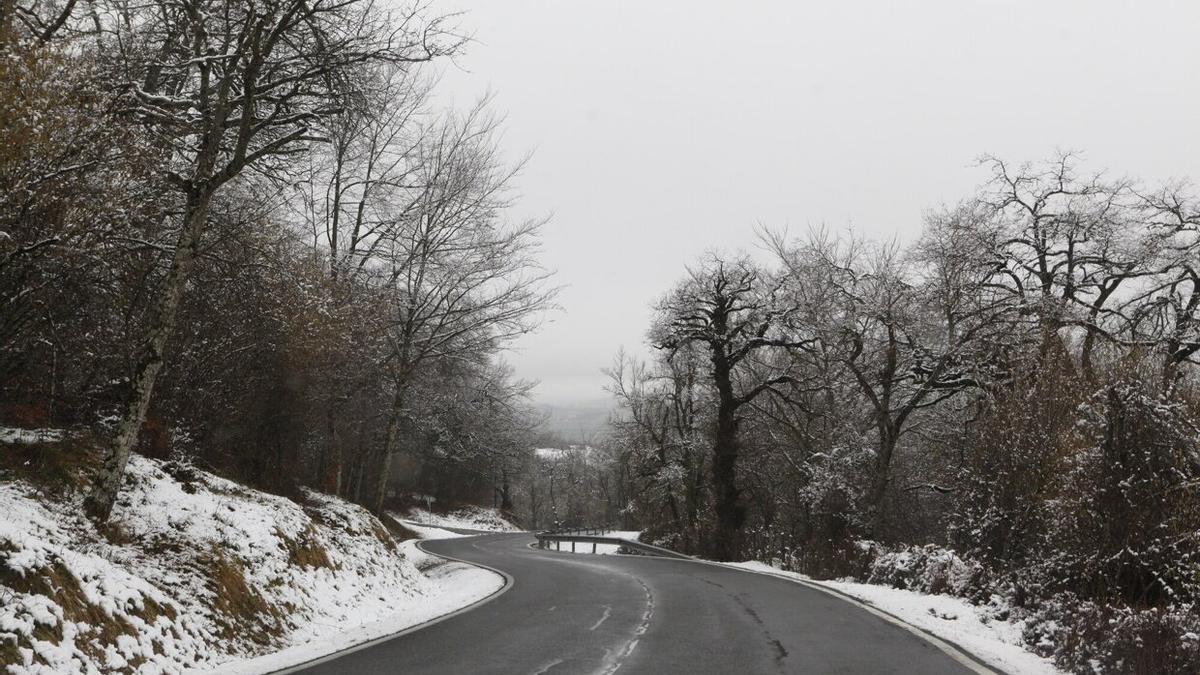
[1089,637]
[928,569]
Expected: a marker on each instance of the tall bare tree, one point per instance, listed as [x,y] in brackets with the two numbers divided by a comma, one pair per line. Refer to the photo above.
[347,202]
[228,87]
[729,307]
[463,282]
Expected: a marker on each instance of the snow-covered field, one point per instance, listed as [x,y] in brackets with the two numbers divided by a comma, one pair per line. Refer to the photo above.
[197,572]
[976,629]
[467,518]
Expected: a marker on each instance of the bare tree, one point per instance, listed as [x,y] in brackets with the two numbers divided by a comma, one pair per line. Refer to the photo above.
[887,335]
[227,88]
[1062,247]
[462,281]
[659,438]
[728,307]
[1166,310]
[345,201]
[354,184]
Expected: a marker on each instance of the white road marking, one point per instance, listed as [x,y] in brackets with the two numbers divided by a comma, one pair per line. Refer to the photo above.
[611,665]
[607,613]
[546,668]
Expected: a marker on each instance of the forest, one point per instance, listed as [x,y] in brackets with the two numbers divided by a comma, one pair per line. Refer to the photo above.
[245,237]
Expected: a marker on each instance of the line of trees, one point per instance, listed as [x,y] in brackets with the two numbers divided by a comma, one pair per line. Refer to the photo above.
[1017,385]
[240,232]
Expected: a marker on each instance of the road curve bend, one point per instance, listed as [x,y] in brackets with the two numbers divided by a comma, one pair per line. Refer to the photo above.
[577,613]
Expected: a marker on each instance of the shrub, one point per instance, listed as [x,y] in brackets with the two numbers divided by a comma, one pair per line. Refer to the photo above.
[928,569]
[1088,637]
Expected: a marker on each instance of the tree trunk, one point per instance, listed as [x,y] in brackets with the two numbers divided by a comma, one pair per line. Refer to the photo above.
[506,503]
[881,476]
[533,503]
[103,496]
[331,459]
[726,545]
[389,446]
[354,491]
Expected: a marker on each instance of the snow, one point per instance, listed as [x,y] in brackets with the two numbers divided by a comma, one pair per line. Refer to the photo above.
[426,532]
[13,435]
[582,451]
[454,586]
[467,518]
[974,628]
[197,572]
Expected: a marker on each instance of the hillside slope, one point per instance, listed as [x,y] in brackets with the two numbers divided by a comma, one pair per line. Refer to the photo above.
[194,571]
[466,518]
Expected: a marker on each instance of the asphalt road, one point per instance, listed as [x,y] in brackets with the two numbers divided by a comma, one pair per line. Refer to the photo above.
[577,613]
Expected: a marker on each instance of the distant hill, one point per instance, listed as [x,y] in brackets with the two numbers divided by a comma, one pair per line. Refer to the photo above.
[577,422]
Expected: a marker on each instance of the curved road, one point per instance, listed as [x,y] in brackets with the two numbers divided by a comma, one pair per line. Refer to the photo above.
[576,613]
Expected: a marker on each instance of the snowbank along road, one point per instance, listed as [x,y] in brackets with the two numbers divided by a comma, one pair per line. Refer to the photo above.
[569,613]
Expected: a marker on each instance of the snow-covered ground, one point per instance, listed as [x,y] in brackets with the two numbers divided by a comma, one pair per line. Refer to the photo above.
[455,586]
[197,572]
[11,435]
[467,518]
[976,629]
[425,532]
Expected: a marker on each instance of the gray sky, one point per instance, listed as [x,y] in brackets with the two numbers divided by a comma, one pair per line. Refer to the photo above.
[662,129]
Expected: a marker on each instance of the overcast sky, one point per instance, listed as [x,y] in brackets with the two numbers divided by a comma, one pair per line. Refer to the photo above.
[662,129]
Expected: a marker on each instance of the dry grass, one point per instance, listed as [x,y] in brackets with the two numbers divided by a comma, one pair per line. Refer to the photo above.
[56,582]
[241,613]
[10,650]
[385,537]
[305,551]
[398,531]
[54,466]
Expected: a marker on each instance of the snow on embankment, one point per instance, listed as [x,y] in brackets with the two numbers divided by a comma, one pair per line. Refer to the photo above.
[981,630]
[454,585]
[466,518]
[194,571]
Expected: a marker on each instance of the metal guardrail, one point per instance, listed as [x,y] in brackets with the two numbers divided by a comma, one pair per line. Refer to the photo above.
[593,530]
[582,535]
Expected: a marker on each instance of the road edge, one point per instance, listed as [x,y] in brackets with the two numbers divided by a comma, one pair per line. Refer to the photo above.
[962,655]
[955,651]
[508,583]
